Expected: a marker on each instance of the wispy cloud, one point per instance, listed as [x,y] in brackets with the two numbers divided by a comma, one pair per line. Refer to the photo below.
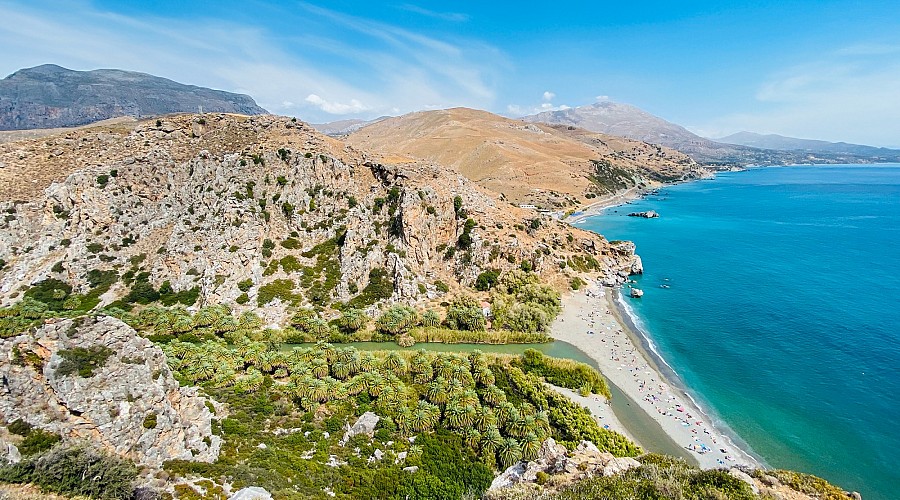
[848,96]
[446,16]
[516,110]
[382,68]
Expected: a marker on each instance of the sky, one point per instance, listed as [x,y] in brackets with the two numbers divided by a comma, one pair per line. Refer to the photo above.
[813,69]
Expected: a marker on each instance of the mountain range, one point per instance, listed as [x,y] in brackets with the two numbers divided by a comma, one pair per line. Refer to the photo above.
[50,96]
[629,121]
[782,143]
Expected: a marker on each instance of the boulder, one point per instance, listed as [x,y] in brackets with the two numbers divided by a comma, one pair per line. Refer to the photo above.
[509,477]
[251,493]
[636,293]
[619,465]
[9,453]
[365,424]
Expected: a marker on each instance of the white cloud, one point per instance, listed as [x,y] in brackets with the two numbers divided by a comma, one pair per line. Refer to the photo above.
[548,96]
[601,98]
[446,16]
[336,108]
[365,67]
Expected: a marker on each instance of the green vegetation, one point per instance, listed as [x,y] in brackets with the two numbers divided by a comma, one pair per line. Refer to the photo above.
[468,414]
[806,483]
[609,178]
[521,303]
[82,361]
[150,421]
[102,180]
[486,280]
[660,477]
[36,440]
[380,287]
[63,470]
[281,289]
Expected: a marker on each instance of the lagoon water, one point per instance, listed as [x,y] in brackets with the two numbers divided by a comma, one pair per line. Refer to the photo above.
[773,293]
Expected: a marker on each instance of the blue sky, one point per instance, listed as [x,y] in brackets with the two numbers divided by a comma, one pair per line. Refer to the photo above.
[817,69]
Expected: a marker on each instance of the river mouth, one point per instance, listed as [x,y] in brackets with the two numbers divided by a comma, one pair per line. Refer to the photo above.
[646,431]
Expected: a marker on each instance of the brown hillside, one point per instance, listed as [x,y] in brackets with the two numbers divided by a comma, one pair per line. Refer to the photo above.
[527,163]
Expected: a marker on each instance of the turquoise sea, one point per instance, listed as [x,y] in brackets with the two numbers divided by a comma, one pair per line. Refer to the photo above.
[774,294]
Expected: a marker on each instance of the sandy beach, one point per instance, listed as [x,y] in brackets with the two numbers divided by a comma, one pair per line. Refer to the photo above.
[602,204]
[591,323]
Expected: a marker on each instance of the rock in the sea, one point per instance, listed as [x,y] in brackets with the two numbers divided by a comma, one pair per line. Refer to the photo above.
[649,214]
[127,402]
[365,424]
[251,493]
[636,293]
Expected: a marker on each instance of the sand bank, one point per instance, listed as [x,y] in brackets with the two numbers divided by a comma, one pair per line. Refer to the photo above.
[591,322]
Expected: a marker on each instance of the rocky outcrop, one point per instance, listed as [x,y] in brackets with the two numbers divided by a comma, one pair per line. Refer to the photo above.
[365,424]
[636,293]
[251,493]
[649,214]
[123,397]
[554,460]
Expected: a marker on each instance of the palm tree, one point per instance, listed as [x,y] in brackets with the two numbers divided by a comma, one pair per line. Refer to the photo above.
[454,415]
[484,418]
[510,452]
[491,440]
[469,398]
[394,363]
[356,385]
[367,362]
[319,368]
[472,438]
[477,360]
[437,391]
[431,318]
[403,419]
[531,445]
[340,370]
[484,376]
[494,396]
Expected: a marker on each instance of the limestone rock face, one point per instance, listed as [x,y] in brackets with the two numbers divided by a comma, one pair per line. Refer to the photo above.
[206,206]
[130,404]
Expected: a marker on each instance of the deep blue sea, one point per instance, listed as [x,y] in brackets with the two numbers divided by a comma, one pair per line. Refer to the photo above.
[782,312]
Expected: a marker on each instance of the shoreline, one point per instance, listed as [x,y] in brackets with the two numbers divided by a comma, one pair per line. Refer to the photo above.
[595,323]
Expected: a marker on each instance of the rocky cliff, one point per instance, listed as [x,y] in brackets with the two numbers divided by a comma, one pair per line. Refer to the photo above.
[50,96]
[249,211]
[95,379]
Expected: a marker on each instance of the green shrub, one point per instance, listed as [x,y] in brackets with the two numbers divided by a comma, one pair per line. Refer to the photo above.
[51,292]
[82,361]
[37,441]
[245,285]
[78,470]
[282,289]
[242,298]
[486,280]
[102,180]
[150,421]
[380,287]
[441,286]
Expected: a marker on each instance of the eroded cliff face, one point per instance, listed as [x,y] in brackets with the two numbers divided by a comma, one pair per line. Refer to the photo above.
[122,397]
[207,203]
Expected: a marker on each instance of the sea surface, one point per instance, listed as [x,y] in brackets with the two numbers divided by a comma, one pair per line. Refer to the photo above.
[774,294]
